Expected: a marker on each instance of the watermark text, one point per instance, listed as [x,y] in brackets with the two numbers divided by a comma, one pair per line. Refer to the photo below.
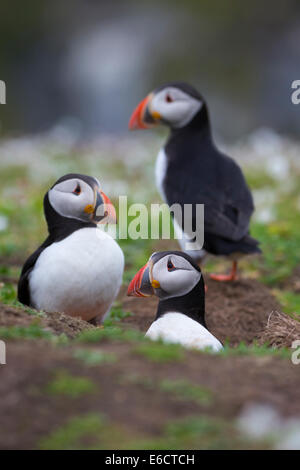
[2,92]
[295,96]
[2,353]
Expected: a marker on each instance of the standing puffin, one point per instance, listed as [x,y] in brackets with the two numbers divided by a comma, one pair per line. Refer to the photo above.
[177,281]
[191,170]
[78,269]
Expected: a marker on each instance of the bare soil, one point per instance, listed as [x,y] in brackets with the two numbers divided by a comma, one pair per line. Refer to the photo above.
[28,413]
[235,312]
[57,323]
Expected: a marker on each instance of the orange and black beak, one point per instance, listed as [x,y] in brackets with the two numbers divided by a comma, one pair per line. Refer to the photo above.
[141,286]
[103,210]
[143,116]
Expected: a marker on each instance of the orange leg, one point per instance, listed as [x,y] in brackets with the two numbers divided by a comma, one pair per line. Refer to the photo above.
[226,277]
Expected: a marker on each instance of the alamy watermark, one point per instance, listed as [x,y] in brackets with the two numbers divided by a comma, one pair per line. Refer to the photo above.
[2,92]
[295,96]
[296,353]
[138,221]
[2,353]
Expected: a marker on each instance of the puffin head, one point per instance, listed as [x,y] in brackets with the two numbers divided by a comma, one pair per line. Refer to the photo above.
[173,104]
[167,274]
[79,197]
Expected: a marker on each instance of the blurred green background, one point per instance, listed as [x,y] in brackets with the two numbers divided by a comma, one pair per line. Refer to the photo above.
[85,63]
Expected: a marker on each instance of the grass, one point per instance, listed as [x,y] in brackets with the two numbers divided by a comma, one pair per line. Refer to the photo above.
[198,432]
[33,331]
[94,357]
[75,433]
[179,389]
[289,300]
[8,294]
[94,431]
[186,391]
[112,333]
[116,315]
[157,351]
[254,350]
[71,386]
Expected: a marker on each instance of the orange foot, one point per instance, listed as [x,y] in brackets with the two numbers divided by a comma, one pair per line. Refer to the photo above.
[226,277]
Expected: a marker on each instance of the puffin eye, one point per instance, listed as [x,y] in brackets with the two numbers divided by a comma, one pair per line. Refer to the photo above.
[170,265]
[168,98]
[77,190]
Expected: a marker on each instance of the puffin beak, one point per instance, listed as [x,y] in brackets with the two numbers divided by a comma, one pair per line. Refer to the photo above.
[104,211]
[141,286]
[142,117]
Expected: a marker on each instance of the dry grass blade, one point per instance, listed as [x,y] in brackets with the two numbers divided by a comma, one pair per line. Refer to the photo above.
[281,330]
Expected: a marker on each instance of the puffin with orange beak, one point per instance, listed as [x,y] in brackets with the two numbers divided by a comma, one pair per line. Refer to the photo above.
[191,170]
[177,281]
[78,269]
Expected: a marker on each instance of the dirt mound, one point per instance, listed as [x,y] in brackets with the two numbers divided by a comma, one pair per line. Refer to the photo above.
[57,323]
[128,391]
[281,330]
[236,311]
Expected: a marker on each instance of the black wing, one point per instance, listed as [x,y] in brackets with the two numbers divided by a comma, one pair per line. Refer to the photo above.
[23,284]
[228,215]
[208,177]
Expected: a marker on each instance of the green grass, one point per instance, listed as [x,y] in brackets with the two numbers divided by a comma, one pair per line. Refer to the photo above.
[186,391]
[198,432]
[8,294]
[116,315]
[94,357]
[157,351]
[75,433]
[259,179]
[289,301]
[179,389]
[71,386]
[12,272]
[254,350]
[33,331]
[112,333]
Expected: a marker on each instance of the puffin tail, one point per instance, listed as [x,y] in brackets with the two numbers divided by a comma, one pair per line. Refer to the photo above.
[248,245]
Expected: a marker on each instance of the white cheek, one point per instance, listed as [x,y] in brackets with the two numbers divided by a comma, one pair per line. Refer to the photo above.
[176,112]
[179,112]
[179,282]
[69,205]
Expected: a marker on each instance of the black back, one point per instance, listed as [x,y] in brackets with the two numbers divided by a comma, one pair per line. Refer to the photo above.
[198,173]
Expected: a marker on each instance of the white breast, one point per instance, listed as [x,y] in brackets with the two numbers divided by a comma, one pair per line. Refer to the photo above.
[80,275]
[195,251]
[160,171]
[176,327]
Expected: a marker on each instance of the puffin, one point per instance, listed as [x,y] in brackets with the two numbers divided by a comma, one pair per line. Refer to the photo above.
[190,169]
[175,278]
[78,269]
